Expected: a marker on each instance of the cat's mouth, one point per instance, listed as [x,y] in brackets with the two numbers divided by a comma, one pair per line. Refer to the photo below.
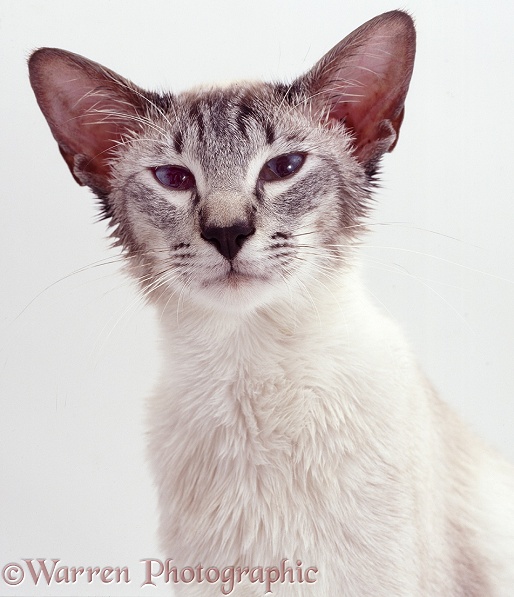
[238,287]
[234,289]
[235,278]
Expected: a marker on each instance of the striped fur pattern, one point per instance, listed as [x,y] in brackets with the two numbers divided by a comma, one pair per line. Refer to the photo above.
[224,138]
[291,420]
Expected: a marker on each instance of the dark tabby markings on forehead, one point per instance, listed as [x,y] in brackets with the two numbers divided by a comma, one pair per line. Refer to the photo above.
[196,116]
[270,133]
[291,94]
[244,113]
[178,142]
[218,112]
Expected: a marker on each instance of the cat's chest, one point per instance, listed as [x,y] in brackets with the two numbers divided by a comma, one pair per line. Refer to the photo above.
[260,444]
[289,452]
[267,398]
[271,427]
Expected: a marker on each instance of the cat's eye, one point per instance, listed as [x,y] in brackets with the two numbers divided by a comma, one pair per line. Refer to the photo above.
[282,166]
[174,177]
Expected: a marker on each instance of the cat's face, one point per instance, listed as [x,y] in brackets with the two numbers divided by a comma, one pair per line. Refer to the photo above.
[238,196]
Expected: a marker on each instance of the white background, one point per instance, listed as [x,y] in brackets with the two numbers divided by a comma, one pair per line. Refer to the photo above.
[78,352]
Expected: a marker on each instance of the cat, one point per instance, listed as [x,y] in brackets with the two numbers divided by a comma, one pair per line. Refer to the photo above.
[292,429]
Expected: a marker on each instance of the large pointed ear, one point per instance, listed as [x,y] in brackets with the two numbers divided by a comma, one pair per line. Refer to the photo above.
[363,82]
[89,108]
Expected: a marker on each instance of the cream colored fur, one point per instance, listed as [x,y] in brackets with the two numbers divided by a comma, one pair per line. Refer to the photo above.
[310,433]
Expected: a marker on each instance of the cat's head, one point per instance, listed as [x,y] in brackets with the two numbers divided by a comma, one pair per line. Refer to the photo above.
[234,196]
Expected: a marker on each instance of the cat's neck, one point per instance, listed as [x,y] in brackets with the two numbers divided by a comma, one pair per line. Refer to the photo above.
[219,365]
[339,311]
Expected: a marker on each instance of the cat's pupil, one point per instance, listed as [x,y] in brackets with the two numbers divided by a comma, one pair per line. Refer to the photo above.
[174,177]
[282,166]
[287,164]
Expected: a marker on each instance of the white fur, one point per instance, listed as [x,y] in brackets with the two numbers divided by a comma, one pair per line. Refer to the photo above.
[307,432]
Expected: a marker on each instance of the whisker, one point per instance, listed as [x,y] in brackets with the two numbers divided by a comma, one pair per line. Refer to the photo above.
[120,317]
[181,294]
[99,263]
[437,258]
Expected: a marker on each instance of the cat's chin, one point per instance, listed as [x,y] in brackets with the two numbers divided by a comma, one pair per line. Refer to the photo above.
[235,292]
